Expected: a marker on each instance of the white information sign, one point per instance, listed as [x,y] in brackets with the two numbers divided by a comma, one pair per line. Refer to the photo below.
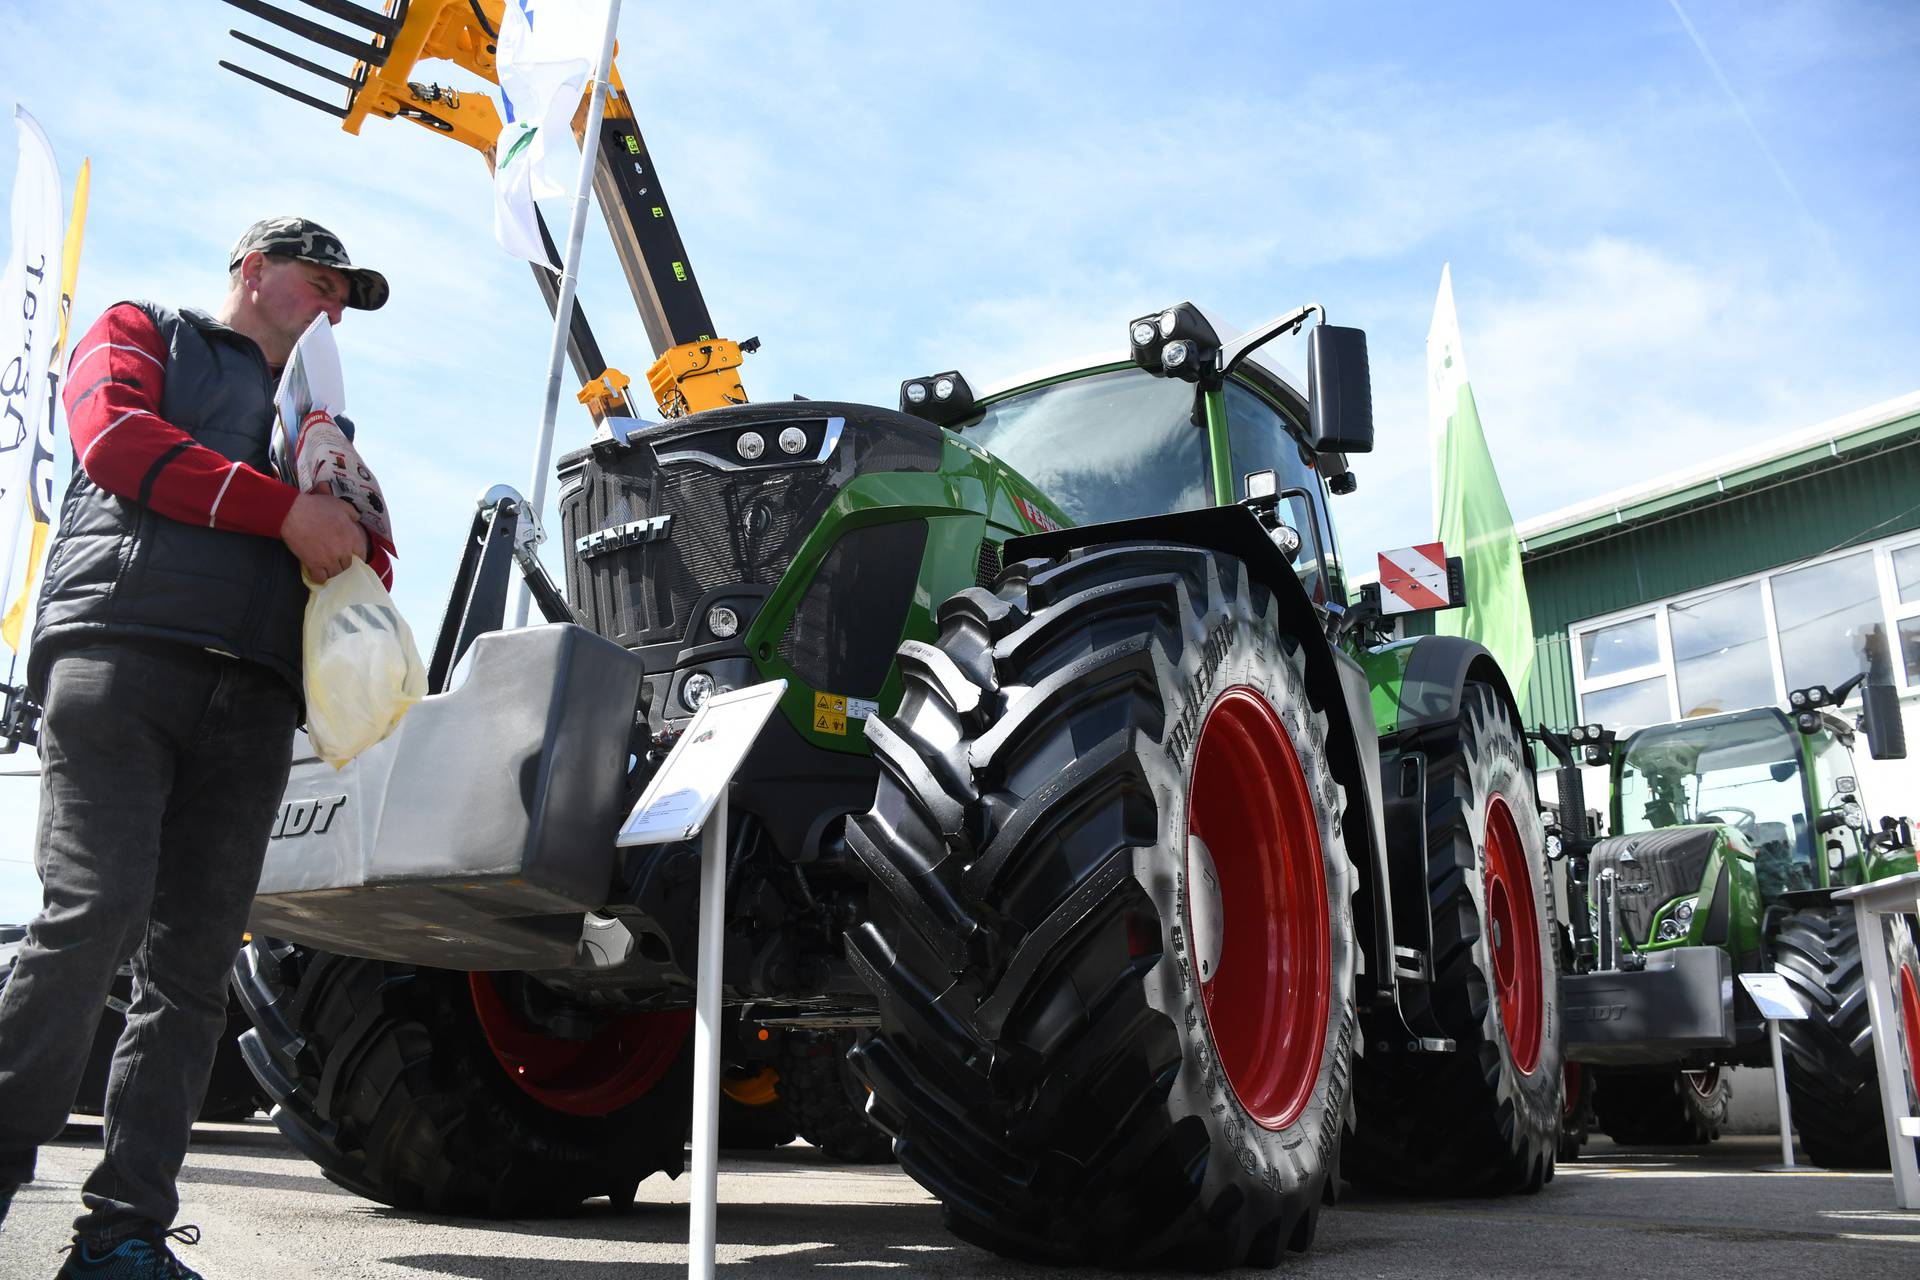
[1777,1000]
[676,803]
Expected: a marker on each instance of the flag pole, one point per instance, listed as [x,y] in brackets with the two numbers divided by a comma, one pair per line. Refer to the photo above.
[569,282]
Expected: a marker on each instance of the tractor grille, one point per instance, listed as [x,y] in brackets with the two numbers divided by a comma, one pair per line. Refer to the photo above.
[1654,868]
[726,528]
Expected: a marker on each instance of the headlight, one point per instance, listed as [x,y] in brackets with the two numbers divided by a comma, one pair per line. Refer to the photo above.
[917,392]
[1142,332]
[1670,929]
[793,440]
[723,622]
[1168,319]
[1684,912]
[750,445]
[943,388]
[695,692]
[1175,354]
[1856,816]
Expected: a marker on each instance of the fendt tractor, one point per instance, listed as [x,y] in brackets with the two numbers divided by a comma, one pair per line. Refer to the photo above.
[1153,895]
[1730,834]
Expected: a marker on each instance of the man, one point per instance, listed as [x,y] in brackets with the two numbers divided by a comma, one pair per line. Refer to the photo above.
[167,656]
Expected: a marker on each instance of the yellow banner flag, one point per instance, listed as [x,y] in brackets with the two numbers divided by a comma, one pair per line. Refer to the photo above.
[40,490]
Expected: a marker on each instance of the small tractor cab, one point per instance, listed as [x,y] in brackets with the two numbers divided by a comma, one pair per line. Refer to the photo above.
[1730,834]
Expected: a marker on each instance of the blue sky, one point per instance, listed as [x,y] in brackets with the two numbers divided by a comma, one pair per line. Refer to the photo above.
[1658,253]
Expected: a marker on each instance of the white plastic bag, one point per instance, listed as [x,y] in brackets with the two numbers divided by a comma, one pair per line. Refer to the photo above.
[362,669]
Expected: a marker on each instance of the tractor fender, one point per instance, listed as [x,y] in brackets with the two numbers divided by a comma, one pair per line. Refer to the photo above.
[1434,682]
[1334,680]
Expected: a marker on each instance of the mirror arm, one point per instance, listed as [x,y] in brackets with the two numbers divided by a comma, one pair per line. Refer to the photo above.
[1232,353]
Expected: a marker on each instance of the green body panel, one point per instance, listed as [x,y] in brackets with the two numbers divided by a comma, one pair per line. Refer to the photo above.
[1386,669]
[969,500]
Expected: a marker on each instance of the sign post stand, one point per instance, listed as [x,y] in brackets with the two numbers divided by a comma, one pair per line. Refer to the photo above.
[1778,1004]
[687,796]
[1892,897]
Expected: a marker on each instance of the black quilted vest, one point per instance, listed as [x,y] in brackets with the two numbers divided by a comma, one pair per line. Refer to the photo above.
[118,570]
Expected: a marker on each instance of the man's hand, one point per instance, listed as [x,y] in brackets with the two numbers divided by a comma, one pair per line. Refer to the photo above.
[325,533]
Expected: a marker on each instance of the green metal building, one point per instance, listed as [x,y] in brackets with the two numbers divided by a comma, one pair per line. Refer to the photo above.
[1725,586]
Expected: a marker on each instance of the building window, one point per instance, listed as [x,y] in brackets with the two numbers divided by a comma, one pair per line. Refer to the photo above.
[1832,620]
[1720,655]
[1747,643]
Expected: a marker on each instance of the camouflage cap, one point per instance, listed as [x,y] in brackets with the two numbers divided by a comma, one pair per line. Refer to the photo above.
[311,242]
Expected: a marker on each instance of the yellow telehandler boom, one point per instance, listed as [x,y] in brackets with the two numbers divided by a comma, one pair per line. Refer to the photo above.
[692,369]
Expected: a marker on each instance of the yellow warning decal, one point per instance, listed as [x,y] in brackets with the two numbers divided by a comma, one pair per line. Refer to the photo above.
[830,714]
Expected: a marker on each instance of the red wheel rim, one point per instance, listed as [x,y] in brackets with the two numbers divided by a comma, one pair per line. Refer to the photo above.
[1910,1018]
[1514,925]
[615,1067]
[1267,996]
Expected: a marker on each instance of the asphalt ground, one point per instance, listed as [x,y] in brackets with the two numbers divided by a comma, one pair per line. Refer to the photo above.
[267,1214]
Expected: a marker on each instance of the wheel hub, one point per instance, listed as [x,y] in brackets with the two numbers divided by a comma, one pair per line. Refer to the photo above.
[1257,910]
[1204,902]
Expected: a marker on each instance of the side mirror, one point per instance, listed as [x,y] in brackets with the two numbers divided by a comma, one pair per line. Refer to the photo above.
[1886,735]
[1339,390]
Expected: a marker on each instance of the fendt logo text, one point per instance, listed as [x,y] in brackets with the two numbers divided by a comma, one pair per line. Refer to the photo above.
[632,533]
[306,817]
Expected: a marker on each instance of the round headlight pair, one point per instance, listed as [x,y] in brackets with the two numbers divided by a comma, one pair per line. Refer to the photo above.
[751,444]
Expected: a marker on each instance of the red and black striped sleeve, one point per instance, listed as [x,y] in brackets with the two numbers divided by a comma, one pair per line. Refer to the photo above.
[123,444]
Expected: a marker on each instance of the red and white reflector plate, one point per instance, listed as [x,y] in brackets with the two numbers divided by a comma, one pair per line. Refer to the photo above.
[1413,578]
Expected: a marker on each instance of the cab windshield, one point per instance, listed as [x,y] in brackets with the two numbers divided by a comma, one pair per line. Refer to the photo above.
[1742,772]
[1109,446]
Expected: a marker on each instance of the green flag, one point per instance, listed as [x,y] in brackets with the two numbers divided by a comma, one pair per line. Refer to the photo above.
[1470,513]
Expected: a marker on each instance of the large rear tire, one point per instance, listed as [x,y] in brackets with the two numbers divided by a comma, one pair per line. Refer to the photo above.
[395,1080]
[1662,1108]
[1112,933]
[1486,1117]
[1832,1081]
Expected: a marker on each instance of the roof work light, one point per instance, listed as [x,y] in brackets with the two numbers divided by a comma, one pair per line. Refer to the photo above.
[940,398]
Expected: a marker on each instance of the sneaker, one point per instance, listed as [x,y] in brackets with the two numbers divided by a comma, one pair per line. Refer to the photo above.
[135,1258]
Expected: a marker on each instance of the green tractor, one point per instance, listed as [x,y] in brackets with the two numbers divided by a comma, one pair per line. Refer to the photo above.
[1730,835]
[1100,853]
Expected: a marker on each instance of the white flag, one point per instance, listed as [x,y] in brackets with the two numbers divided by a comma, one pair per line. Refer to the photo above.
[29,318]
[547,52]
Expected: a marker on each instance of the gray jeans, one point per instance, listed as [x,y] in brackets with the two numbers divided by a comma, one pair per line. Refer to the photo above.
[162,769]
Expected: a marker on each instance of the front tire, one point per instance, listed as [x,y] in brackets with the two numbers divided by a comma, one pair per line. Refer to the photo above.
[396,1081]
[1112,933]
[1833,1083]
[828,1101]
[1662,1108]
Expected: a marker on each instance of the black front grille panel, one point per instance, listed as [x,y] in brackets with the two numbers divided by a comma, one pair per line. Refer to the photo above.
[734,517]
[725,528]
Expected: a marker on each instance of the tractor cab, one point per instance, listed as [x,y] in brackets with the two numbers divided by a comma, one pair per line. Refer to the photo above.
[1746,773]
[1188,423]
